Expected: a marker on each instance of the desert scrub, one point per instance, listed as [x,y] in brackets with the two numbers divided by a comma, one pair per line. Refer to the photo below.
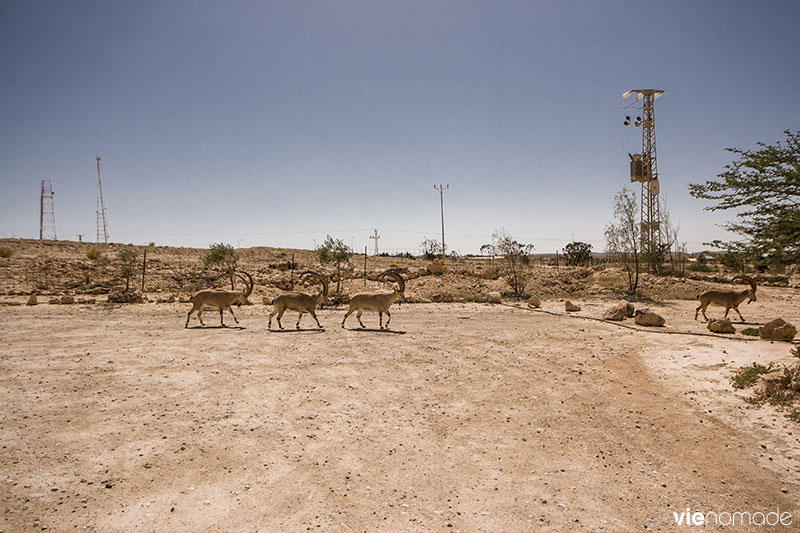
[794,416]
[5,251]
[753,332]
[746,376]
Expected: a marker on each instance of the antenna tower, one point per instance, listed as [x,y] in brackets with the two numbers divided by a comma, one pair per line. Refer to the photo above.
[644,169]
[101,208]
[375,237]
[47,213]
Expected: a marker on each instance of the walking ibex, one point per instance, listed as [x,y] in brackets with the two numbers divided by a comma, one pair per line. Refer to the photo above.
[377,301]
[220,299]
[300,302]
[729,299]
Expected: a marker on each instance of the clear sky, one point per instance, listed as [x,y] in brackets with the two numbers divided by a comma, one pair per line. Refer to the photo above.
[276,123]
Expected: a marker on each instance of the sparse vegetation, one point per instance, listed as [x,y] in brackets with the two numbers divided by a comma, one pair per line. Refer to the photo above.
[128,263]
[749,375]
[431,248]
[622,237]
[334,251]
[516,261]
[577,253]
[752,332]
[6,252]
[223,256]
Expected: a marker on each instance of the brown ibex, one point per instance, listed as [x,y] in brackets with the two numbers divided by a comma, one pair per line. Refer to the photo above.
[729,299]
[220,299]
[377,301]
[300,302]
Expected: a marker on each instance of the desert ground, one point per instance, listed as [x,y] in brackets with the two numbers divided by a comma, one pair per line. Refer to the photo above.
[462,417]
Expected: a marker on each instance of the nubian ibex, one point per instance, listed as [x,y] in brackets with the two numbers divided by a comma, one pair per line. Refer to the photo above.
[220,299]
[729,299]
[300,302]
[378,302]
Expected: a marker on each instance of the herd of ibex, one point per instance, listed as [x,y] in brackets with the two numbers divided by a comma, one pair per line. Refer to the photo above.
[380,302]
[301,302]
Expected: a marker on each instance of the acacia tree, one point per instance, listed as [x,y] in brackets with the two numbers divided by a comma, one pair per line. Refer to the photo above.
[623,236]
[577,253]
[516,260]
[127,264]
[765,185]
[334,251]
[223,256]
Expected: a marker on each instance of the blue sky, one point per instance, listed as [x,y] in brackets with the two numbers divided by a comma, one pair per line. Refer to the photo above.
[276,123]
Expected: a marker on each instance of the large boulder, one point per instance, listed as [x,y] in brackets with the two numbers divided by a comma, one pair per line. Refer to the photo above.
[570,307]
[645,317]
[533,301]
[616,312]
[777,329]
[494,298]
[721,325]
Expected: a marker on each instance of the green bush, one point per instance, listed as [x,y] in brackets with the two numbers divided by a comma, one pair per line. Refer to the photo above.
[748,375]
[753,332]
[6,251]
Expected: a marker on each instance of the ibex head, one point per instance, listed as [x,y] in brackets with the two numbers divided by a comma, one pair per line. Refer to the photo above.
[752,282]
[241,299]
[319,277]
[395,276]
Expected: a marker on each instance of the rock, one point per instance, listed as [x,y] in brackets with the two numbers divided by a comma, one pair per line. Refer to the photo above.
[494,298]
[777,329]
[533,301]
[125,297]
[645,317]
[54,301]
[569,306]
[67,299]
[721,325]
[615,313]
[33,300]
[436,268]
[629,309]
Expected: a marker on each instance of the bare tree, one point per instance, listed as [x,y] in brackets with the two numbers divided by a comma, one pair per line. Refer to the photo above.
[516,260]
[623,236]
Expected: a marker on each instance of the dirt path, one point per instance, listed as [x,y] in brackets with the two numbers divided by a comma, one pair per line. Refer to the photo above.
[467,417]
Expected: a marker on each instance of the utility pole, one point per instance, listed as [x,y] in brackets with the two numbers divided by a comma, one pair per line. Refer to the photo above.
[645,170]
[441,190]
[102,223]
[375,237]
[47,214]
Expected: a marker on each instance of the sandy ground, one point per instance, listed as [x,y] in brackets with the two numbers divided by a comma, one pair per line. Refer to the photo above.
[465,417]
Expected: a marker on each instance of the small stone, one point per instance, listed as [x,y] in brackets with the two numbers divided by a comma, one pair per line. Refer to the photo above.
[570,307]
[534,302]
[494,298]
[33,300]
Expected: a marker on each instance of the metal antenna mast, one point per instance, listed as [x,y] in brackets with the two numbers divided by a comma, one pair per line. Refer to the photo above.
[441,190]
[644,169]
[101,208]
[375,237]
[47,213]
